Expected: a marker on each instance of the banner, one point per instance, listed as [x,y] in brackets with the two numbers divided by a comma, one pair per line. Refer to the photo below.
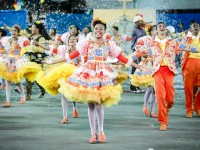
[61,22]
[12,17]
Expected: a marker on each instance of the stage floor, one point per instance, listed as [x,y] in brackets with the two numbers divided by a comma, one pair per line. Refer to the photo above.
[36,126]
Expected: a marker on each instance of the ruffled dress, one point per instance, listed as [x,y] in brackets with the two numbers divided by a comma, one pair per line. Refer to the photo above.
[92,82]
[143,78]
[13,66]
[49,77]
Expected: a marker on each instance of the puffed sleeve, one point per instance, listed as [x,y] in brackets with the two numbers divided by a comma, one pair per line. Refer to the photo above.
[114,49]
[82,47]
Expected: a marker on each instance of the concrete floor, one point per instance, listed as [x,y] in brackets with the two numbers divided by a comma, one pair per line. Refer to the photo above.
[36,126]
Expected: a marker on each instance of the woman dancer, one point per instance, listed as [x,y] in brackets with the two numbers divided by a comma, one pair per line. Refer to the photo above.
[92,82]
[36,54]
[140,78]
[14,67]
[49,79]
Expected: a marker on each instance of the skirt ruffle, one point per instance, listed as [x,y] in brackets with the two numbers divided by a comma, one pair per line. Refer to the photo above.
[29,71]
[10,76]
[23,69]
[142,81]
[49,79]
[107,95]
[122,77]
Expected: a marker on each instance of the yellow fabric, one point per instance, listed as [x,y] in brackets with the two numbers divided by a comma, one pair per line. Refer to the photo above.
[164,62]
[106,95]
[122,77]
[196,42]
[49,79]
[29,71]
[12,77]
[33,48]
[142,81]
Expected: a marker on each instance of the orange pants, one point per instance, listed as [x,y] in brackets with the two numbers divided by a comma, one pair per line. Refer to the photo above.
[191,78]
[164,88]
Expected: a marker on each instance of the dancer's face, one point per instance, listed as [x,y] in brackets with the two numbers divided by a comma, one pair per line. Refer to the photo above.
[73,31]
[114,31]
[99,31]
[14,32]
[161,28]
[86,30]
[34,30]
[154,32]
[72,41]
[194,28]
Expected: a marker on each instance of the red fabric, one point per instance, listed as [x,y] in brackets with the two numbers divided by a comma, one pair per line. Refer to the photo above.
[59,38]
[55,50]
[122,58]
[128,39]
[191,78]
[74,55]
[164,88]
[27,42]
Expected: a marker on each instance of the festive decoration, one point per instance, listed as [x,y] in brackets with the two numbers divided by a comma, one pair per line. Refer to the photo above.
[18,4]
[42,1]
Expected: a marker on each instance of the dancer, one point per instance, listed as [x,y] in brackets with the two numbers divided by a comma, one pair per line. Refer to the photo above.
[92,82]
[3,33]
[191,72]
[13,67]
[36,54]
[163,51]
[140,78]
[49,79]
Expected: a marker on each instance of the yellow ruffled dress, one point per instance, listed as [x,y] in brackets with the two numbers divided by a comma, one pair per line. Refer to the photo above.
[92,82]
[48,78]
[14,67]
[143,78]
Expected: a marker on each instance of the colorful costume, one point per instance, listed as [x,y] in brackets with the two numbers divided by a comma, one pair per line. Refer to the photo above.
[163,54]
[143,78]
[119,68]
[191,76]
[92,82]
[14,67]
[48,79]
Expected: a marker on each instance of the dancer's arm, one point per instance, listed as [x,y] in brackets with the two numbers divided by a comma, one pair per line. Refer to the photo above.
[185,45]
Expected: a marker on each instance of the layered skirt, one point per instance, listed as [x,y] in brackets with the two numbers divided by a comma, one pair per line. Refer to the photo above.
[48,78]
[92,83]
[143,78]
[14,68]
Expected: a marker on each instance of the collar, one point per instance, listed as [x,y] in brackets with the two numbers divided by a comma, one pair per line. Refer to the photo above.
[157,39]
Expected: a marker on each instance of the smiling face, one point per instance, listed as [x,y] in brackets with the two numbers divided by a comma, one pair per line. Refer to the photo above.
[99,31]
[161,28]
[14,32]
[73,31]
[72,41]
[194,28]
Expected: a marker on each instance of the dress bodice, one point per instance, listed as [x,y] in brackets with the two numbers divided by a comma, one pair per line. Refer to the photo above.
[14,49]
[97,53]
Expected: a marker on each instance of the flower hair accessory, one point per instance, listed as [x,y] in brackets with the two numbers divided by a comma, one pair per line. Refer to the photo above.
[17,26]
[38,22]
[96,19]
